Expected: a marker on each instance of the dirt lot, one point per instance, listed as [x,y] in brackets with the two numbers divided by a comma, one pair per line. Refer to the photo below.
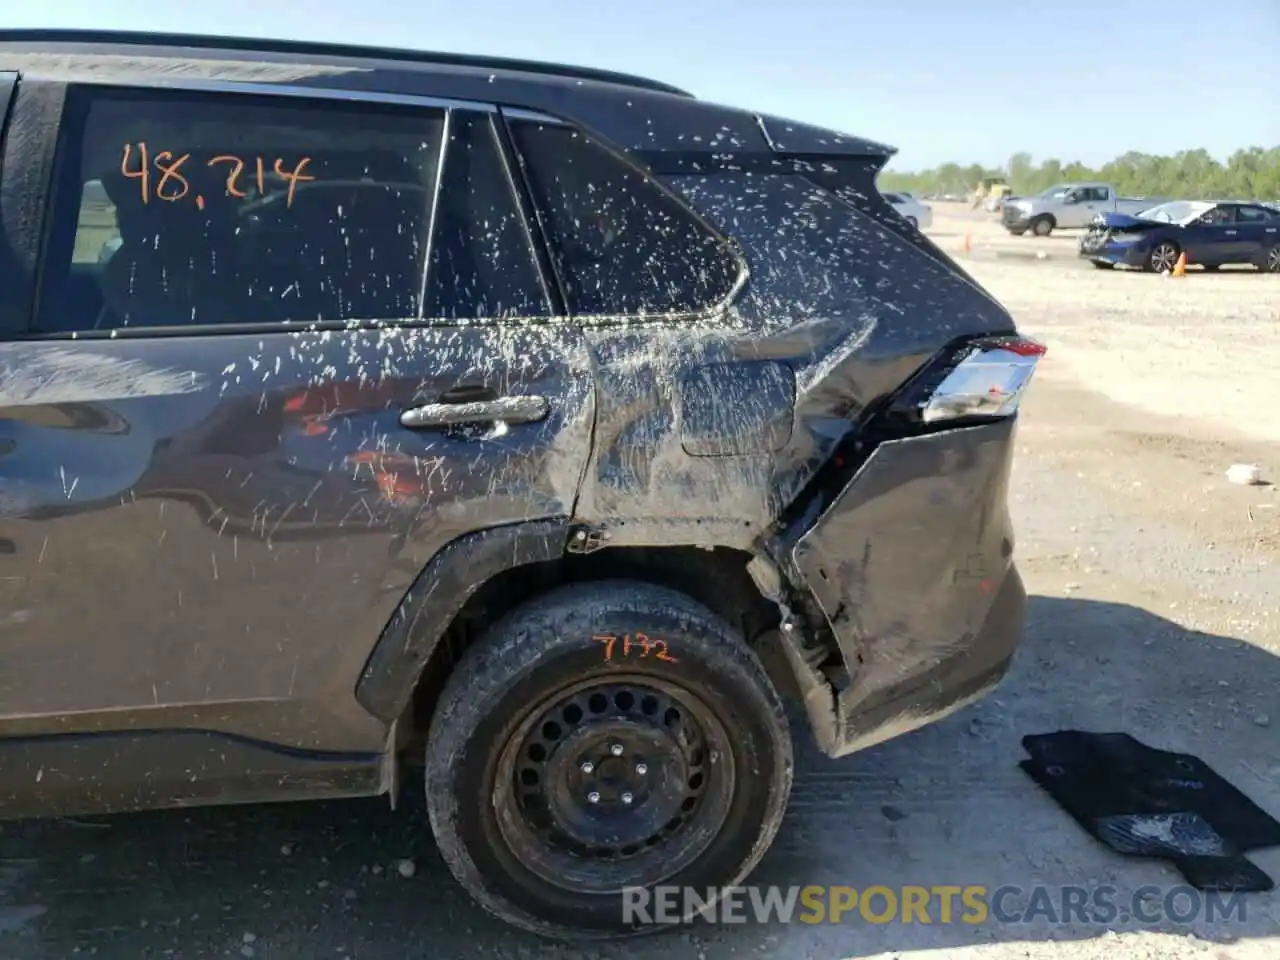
[1155,610]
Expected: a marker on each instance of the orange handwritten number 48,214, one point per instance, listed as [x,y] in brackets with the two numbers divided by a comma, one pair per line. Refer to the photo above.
[633,645]
[170,185]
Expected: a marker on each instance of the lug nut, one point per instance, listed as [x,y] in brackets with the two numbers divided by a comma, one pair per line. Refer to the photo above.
[587,767]
[627,798]
[616,749]
[593,797]
[642,769]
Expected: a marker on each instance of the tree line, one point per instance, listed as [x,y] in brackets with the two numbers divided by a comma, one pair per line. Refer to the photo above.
[1252,173]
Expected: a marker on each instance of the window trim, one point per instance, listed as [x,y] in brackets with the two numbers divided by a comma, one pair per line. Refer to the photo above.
[151,81]
[552,288]
[30,164]
[521,183]
[446,125]
[54,141]
[730,246]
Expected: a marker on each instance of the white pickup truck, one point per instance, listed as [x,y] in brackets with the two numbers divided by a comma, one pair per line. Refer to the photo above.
[1068,206]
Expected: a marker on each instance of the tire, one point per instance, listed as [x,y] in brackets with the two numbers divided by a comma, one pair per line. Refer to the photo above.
[1162,257]
[535,698]
[1042,226]
[1271,259]
[1103,265]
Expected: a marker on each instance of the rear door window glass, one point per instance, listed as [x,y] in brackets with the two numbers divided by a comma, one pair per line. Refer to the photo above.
[621,245]
[482,260]
[180,209]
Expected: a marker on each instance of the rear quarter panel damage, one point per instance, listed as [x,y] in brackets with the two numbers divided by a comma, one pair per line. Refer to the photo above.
[684,454]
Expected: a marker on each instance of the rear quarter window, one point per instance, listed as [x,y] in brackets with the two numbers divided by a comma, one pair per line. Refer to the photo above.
[622,245]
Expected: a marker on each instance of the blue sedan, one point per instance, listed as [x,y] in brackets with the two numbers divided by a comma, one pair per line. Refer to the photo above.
[1210,234]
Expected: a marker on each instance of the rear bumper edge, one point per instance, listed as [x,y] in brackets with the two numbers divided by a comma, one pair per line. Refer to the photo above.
[911,564]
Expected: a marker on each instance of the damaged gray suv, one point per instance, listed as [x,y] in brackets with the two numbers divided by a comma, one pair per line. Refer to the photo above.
[363,408]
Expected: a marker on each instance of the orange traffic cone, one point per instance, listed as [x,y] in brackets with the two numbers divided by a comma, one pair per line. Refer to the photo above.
[1180,268]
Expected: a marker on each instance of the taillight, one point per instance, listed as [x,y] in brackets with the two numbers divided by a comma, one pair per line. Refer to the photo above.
[974,379]
[968,382]
[986,379]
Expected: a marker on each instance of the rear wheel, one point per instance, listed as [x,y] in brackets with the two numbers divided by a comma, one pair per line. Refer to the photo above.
[1271,259]
[1042,226]
[564,767]
[1162,257]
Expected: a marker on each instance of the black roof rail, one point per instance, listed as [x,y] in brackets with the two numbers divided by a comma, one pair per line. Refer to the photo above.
[332,50]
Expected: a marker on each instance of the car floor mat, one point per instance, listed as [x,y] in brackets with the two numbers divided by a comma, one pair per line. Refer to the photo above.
[1145,802]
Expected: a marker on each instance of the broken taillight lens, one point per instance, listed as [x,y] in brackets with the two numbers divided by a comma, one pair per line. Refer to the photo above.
[986,380]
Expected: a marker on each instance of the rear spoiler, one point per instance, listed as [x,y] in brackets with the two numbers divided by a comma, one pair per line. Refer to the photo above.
[789,143]
[787,136]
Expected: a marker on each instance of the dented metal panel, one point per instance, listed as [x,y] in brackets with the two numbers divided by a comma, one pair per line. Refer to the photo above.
[912,566]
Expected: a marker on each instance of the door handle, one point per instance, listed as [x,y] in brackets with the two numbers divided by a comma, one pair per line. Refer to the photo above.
[528,409]
[1231,233]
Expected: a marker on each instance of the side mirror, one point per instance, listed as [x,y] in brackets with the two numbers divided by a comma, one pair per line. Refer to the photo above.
[1070,198]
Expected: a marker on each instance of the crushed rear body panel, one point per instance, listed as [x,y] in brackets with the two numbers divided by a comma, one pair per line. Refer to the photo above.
[911,565]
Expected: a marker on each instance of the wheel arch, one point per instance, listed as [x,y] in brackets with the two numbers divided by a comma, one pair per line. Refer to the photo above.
[481,576]
[1159,241]
[1264,262]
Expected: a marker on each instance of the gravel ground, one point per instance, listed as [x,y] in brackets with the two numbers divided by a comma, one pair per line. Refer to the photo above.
[1155,610]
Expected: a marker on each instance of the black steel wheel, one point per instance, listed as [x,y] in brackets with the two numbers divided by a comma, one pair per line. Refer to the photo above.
[619,772]
[564,769]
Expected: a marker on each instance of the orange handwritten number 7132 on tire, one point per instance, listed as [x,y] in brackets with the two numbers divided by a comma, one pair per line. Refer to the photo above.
[637,645]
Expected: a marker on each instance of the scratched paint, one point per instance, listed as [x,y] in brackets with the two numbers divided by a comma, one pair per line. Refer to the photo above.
[255,516]
[56,373]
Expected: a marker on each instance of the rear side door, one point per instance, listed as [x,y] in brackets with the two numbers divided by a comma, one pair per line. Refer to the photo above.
[212,503]
[1259,230]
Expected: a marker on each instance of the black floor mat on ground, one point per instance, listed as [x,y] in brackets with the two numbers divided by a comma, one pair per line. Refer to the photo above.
[1149,803]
